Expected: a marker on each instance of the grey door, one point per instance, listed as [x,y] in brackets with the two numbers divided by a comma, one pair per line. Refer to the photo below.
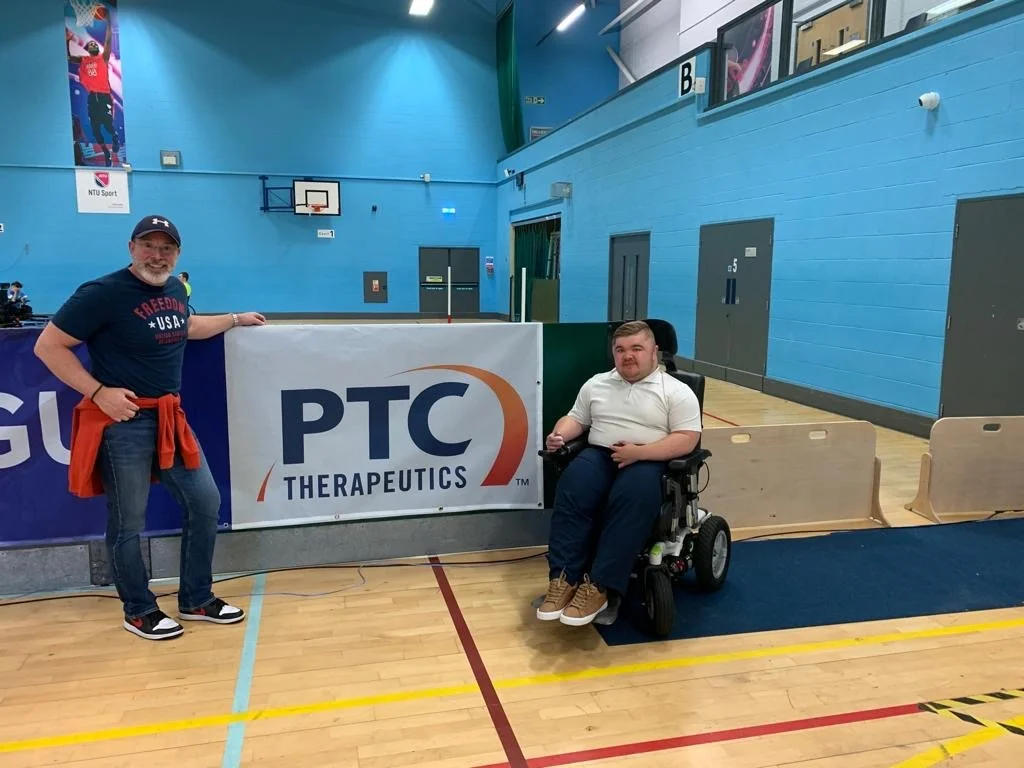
[465,263]
[628,276]
[983,363]
[733,292]
[465,266]
[434,281]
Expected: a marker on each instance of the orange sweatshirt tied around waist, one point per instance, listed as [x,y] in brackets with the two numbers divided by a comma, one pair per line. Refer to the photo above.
[88,422]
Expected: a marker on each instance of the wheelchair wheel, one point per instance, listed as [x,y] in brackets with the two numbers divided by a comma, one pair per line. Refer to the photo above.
[712,553]
[661,604]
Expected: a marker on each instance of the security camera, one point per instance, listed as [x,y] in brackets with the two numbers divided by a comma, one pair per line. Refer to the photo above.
[928,100]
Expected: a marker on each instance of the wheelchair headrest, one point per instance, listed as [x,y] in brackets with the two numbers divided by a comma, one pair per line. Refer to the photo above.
[664,336]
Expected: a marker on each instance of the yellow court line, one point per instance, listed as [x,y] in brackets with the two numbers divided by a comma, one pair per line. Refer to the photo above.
[430,693]
[189,724]
[761,653]
[947,749]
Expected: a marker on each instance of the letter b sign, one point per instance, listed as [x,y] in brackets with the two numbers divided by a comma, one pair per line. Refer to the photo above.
[687,74]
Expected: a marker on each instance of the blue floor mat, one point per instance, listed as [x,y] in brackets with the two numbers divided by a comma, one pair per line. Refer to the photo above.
[844,578]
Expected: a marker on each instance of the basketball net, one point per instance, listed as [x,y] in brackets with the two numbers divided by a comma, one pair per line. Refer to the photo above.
[85,11]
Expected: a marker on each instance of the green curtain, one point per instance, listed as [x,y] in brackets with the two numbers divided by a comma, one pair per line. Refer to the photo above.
[508,81]
[533,251]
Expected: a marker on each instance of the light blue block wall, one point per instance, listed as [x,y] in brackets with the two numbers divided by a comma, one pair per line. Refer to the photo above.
[862,184]
[571,69]
[368,94]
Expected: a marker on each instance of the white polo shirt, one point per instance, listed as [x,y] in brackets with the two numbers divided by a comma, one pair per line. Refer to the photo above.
[643,413]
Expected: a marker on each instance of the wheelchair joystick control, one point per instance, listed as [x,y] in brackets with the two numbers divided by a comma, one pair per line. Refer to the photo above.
[654,556]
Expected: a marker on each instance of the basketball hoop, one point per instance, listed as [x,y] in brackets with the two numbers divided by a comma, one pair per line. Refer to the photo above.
[316,208]
[85,11]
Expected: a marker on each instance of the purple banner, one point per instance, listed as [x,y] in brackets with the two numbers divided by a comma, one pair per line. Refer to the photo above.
[35,434]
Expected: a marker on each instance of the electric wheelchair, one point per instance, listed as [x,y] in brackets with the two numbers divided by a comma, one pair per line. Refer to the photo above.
[684,537]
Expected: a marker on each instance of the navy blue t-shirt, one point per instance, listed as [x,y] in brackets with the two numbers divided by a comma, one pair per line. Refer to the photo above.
[135,332]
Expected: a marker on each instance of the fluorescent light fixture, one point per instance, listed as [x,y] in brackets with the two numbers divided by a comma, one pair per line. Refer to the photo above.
[565,23]
[420,7]
[947,7]
[839,49]
[630,13]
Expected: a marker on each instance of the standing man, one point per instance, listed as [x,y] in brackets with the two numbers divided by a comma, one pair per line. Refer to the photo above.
[94,75]
[130,429]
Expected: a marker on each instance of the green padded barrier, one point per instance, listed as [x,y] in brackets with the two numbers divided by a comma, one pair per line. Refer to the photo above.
[573,352]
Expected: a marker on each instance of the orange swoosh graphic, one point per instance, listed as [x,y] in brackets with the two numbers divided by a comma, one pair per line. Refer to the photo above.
[263,487]
[516,421]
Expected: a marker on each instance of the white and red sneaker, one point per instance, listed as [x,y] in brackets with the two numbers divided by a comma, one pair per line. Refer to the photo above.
[154,626]
[218,612]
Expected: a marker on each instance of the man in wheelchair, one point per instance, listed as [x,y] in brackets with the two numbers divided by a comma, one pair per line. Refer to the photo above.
[637,418]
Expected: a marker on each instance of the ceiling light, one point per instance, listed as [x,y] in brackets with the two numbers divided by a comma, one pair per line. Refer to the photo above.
[840,49]
[420,7]
[568,20]
[947,7]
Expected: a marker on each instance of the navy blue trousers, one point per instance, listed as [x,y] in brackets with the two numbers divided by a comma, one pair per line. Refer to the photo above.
[603,517]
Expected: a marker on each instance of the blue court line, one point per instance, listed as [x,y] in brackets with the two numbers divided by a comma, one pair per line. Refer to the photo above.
[236,731]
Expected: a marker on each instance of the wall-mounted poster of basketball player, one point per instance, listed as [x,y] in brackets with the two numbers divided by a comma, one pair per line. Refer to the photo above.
[94,79]
[749,51]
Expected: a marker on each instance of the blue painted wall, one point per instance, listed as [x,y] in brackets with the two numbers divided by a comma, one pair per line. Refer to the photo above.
[356,89]
[572,69]
[862,184]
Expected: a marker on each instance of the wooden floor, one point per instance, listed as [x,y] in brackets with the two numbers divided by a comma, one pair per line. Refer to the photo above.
[419,666]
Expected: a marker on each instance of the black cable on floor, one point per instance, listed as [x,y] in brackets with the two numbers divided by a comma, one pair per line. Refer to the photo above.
[250,574]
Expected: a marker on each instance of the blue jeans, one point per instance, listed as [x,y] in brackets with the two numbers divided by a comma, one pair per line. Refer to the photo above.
[128,461]
[603,517]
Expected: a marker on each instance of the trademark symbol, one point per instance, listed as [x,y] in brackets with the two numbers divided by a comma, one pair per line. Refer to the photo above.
[522,481]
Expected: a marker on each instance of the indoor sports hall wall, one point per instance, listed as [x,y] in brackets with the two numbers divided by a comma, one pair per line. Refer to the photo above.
[308,87]
[570,70]
[862,184]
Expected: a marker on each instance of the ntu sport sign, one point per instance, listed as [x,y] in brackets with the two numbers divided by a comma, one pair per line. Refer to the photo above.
[330,423]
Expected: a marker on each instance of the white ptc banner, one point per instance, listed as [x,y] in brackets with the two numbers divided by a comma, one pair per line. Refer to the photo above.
[344,422]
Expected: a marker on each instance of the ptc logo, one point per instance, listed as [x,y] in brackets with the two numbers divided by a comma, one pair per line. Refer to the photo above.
[512,435]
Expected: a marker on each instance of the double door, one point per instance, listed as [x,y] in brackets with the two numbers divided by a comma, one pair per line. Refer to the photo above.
[628,277]
[733,293]
[465,281]
[983,363]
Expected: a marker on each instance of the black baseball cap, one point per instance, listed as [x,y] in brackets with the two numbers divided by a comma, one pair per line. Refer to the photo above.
[156,223]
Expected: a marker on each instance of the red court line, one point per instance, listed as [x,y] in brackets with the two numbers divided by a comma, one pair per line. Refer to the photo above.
[719,418]
[513,751]
[713,737]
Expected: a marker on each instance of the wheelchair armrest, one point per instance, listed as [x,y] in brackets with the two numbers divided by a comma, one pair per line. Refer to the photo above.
[690,462]
[567,452]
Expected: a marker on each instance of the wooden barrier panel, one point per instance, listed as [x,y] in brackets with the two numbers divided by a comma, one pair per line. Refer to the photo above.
[781,478]
[974,467]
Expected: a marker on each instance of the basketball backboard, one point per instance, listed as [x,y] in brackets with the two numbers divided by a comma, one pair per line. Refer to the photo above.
[317,197]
